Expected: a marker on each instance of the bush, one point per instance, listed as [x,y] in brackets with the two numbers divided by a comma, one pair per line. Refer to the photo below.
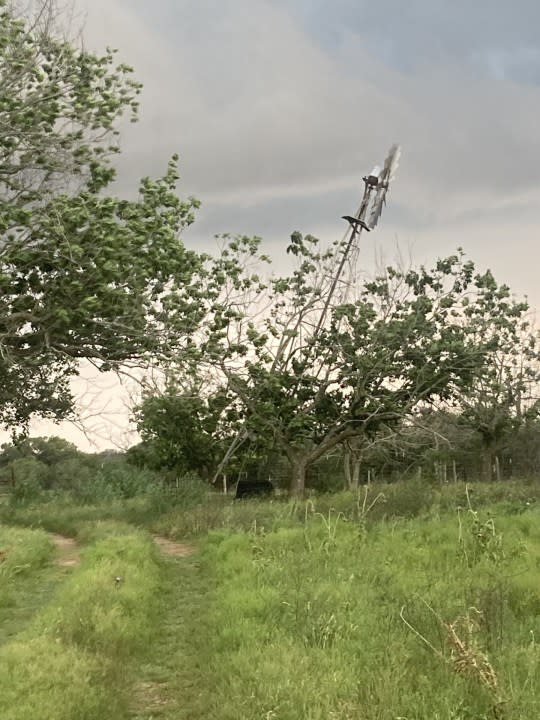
[73,474]
[29,477]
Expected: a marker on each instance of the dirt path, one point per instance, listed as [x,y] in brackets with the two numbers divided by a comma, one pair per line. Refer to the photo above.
[67,551]
[68,555]
[171,548]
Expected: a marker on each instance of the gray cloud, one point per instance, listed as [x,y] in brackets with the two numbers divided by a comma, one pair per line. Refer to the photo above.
[409,35]
[257,108]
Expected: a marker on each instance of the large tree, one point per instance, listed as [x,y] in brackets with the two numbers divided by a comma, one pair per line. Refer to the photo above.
[406,340]
[505,393]
[83,274]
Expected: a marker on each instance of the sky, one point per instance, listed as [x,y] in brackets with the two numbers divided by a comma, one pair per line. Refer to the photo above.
[277,109]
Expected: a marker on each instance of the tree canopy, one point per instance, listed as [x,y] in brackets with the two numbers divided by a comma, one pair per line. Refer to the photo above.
[83,274]
[182,431]
[409,339]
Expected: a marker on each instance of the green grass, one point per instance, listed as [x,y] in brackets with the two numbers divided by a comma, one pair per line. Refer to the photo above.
[58,513]
[20,602]
[370,504]
[336,608]
[173,680]
[22,551]
[75,658]
[306,622]
[28,577]
[190,516]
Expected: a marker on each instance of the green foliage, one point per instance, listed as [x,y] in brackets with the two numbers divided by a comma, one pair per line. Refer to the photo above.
[115,479]
[73,660]
[29,478]
[303,376]
[50,450]
[82,274]
[181,432]
[33,465]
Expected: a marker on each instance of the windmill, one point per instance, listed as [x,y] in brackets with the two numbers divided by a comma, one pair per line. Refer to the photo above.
[376,186]
[336,288]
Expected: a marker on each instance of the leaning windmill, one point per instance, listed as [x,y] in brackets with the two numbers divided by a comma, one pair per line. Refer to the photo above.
[376,186]
[336,285]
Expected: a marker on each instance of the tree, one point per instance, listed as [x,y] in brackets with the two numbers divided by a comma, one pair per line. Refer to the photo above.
[504,394]
[308,387]
[34,463]
[83,275]
[181,431]
[48,450]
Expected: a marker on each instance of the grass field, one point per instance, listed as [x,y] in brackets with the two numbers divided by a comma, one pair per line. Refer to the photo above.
[402,603]
[73,656]
[406,620]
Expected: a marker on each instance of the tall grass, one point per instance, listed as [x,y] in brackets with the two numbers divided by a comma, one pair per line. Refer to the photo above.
[399,601]
[370,504]
[25,576]
[192,511]
[404,619]
[21,552]
[64,513]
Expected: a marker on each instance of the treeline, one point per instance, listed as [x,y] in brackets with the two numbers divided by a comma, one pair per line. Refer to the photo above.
[438,447]
[34,466]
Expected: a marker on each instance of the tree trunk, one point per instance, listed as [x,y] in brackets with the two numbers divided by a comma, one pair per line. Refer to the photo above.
[347,470]
[498,474]
[355,479]
[298,480]
[487,464]
[352,465]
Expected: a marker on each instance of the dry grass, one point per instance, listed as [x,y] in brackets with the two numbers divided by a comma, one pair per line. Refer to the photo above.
[467,657]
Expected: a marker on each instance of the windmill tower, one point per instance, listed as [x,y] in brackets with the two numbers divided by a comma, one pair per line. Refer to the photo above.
[376,186]
[338,284]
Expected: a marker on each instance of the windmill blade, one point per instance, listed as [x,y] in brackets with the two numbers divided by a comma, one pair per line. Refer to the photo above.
[391,163]
[385,178]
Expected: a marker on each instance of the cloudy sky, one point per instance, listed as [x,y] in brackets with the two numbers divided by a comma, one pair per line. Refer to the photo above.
[278,107]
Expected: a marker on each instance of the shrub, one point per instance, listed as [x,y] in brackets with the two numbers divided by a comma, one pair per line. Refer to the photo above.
[29,478]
